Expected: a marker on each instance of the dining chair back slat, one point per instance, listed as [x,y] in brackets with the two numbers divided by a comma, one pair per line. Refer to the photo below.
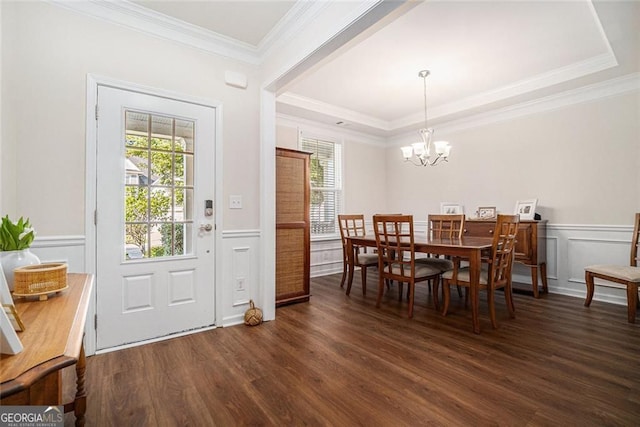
[445,226]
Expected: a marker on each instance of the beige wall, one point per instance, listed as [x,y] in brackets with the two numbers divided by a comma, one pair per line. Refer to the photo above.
[365,178]
[47,53]
[581,162]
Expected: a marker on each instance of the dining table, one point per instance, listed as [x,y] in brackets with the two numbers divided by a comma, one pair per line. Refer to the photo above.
[467,248]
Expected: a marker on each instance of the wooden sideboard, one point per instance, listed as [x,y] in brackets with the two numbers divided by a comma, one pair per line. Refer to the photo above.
[531,246]
[52,340]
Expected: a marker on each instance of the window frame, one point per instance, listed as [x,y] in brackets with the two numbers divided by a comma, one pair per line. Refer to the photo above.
[340,184]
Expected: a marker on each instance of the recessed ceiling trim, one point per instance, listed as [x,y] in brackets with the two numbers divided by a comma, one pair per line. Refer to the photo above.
[329,130]
[332,110]
[560,75]
[618,86]
[541,81]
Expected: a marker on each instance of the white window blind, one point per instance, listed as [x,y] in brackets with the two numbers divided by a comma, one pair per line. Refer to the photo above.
[326,185]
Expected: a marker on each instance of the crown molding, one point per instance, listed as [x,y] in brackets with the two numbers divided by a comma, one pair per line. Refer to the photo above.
[613,87]
[291,24]
[327,130]
[540,81]
[139,18]
[135,17]
[345,114]
[553,77]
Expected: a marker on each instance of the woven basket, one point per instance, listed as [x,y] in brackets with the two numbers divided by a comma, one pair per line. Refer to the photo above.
[41,279]
[253,316]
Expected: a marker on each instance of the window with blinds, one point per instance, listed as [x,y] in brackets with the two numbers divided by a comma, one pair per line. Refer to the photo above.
[326,185]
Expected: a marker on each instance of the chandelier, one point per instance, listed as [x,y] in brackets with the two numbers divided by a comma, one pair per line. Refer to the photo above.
[419,153]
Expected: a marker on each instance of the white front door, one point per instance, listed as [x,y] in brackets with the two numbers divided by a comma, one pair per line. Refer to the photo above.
[154,216]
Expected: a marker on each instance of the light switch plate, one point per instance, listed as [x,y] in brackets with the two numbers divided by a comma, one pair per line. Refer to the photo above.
[235,202]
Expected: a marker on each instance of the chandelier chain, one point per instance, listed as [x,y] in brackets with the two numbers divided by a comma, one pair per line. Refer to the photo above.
[424,81]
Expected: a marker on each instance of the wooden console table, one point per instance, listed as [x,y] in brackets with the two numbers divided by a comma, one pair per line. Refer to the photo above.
[52,340]
[531,246]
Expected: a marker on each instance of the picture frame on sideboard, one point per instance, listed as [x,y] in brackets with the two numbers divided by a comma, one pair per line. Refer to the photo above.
[526,208]
[487,212]
[451,208]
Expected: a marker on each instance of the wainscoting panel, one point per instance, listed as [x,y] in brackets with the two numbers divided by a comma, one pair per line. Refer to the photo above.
[570,248]
[326,257]
[240,268]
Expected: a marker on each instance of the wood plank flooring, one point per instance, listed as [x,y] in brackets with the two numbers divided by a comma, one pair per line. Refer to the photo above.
[340,361]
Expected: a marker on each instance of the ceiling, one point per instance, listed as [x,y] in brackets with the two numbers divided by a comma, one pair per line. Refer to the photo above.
[483,56]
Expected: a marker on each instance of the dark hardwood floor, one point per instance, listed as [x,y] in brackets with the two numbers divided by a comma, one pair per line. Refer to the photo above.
[340,361]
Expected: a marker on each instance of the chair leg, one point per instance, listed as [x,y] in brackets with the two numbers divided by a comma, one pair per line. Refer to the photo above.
[412,288]
[446,296]
[380,290]
[344,273]
[492,307]
[588,278]
[632,300]
[363,271]
[459,291]
[508,296]
[400,288]
[436,289]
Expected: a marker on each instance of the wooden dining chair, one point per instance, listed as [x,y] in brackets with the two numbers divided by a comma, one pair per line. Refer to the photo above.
[442,226]
[397,256]
[627,276]
[496,269]
[353,225]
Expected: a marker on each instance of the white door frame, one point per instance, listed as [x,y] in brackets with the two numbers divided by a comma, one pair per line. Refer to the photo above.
[93,81]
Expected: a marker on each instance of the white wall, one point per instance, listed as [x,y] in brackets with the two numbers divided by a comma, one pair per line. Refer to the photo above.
[47,54]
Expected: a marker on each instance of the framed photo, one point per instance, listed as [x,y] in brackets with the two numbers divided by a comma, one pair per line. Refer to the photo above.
[526,208]
[9,341]
[9,321]
[12,315]
[485,212]
[451,208]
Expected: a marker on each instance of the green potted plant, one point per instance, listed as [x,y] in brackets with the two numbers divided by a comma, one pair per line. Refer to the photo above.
[15,240]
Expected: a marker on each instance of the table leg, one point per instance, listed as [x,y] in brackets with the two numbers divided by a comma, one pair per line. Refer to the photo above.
[80,403]
[534,280]
[474,280]
[350,263]
[543,275]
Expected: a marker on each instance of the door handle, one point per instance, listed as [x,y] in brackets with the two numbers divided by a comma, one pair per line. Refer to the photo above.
[206,227]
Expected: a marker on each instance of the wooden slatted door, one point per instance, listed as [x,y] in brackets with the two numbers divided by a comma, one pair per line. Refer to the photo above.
[293,229]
